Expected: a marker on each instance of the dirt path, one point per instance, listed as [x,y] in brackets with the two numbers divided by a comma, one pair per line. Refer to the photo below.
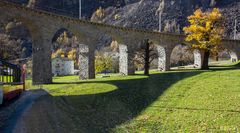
[11,114]
[39,112]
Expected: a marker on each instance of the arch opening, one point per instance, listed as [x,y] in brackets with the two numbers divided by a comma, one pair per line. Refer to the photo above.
[64,57]
[224,57]
[182,57]
[145,56]
[38,67]
[107,56]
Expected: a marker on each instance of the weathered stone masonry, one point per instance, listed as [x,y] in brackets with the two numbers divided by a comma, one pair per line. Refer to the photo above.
[43,25]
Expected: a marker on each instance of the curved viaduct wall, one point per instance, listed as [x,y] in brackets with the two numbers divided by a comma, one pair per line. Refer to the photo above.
[43,26]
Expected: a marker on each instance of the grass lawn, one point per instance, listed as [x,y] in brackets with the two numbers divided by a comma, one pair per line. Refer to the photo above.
[175,101]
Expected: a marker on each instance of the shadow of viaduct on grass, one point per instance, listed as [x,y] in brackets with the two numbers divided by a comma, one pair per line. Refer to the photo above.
[101,112]
[104,111]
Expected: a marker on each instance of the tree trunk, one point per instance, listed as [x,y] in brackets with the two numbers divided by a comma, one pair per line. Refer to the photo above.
[205,60]
[147,57]
[217,59]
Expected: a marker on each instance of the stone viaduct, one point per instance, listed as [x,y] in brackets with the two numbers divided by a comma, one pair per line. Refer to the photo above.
[43,26]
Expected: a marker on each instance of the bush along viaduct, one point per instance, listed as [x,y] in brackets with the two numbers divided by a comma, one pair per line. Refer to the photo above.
[44,25]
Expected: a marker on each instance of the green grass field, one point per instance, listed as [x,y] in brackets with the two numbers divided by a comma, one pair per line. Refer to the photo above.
[175,101]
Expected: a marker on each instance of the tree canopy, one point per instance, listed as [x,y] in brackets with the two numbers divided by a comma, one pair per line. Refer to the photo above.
[205,30]
[205,33]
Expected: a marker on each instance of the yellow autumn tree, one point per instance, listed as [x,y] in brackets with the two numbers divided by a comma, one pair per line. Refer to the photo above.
[114,46]
[103,63]
[58,53]
[98,15]
[72,55]
[63,38]
[205,33]
[100,12]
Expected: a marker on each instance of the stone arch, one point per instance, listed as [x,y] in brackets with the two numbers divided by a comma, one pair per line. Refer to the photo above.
[229,54]
[181,55]
[106,55]
[112,45]
[157,54]
[230,50]
[40,73]
[85,47]
[64,42]
[163,49]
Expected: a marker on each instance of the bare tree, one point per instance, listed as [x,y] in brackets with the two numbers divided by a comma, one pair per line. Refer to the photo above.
[146,55]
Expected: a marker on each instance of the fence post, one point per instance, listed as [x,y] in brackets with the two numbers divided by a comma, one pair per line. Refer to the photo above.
[1,93]
[23,76]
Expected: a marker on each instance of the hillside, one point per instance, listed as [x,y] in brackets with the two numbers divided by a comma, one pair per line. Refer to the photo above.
[143,14]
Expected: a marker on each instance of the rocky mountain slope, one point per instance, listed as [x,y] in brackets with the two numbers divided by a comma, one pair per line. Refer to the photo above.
[145,14]
[71,7]
[141,14]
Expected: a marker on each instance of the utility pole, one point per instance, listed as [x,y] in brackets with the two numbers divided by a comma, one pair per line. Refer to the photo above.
[159,13]
[160,21]
[235,30]
[80,9]
[146,58]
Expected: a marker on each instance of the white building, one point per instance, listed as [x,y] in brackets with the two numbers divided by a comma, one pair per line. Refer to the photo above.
[62,66]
